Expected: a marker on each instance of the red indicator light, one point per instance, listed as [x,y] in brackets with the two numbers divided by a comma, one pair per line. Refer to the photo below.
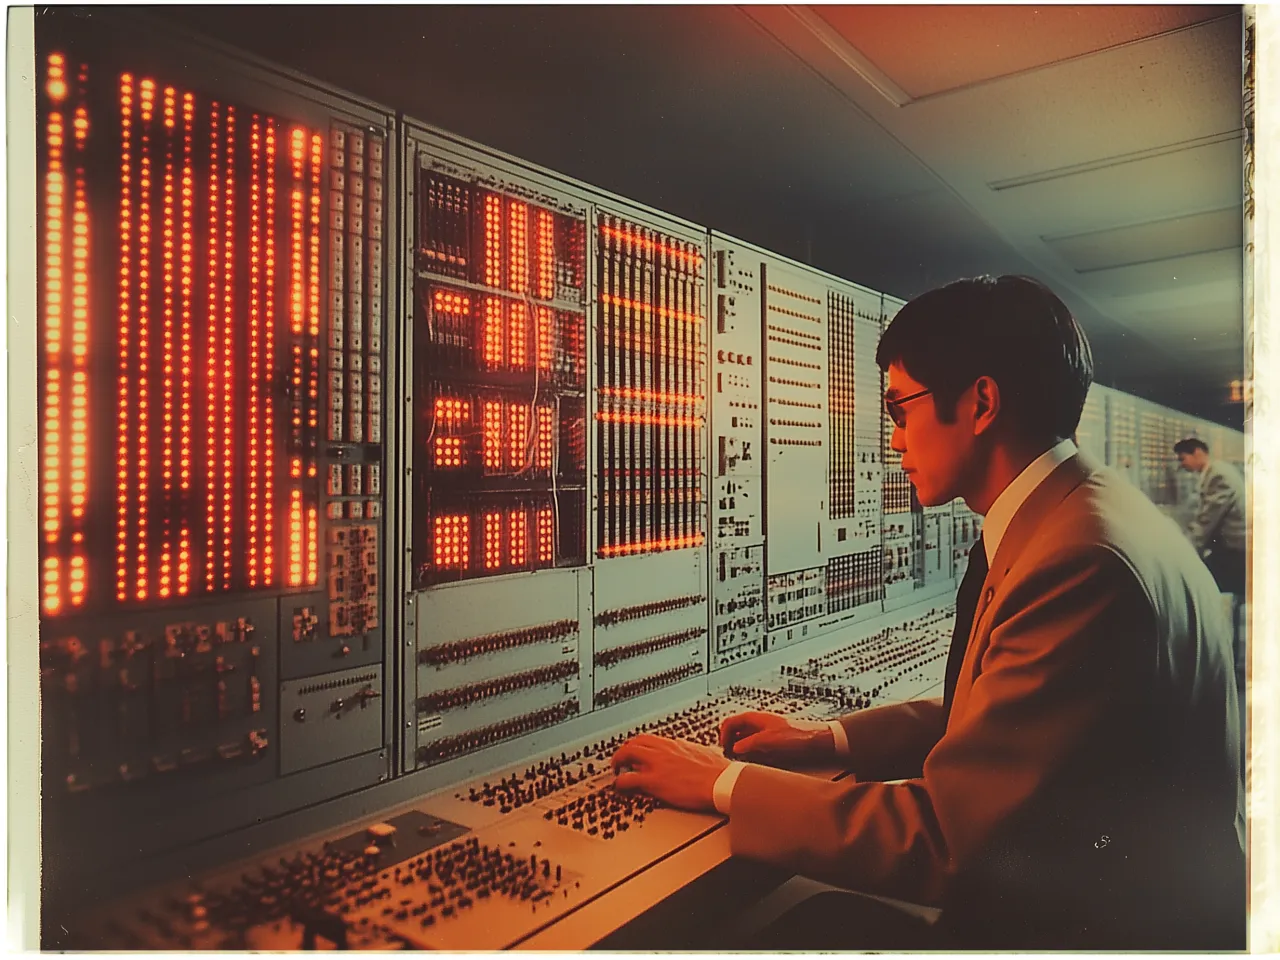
[654,396]
[296,537]
[519,521]
[445,301]
[493,333]
[546,255]
[518,244]
[492,541]
[653,419]
[546,338]
[269,356]
[546,428]
[255,321]
[492,240]
[492,417]
[652,546]
[520,438]
[451,410]
[546,535]
[681,253]
[227,466]
[519,326]
[123,417]
[453,541]
[448,452]
[56,85]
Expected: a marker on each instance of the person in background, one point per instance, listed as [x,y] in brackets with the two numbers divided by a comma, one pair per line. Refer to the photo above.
[1218,533]
[1077,785]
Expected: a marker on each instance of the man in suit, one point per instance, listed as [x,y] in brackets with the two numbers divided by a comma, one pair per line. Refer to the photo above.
[1078,784]
[1218,529]
[1218,533]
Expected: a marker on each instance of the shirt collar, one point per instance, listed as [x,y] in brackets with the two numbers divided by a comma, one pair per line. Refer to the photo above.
[1015,494]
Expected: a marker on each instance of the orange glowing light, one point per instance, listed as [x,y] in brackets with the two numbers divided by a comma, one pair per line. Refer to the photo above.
[167,358]
[546,255]
[255,319]
[493,348]
[123,419]
[313,547]
[187,261]
[519,326]
[546,426]
[653,546]
[679,252]
[546,535]
[446,301]
[269,276]
[213,403]
[519,425]
[51,441]
[492,240]
[453,541]
[518,244]
[313,291]
[546,338]
[649,310]
[492,416]
[634,393]
[452,410]
[651,419]
[184,562]
[227,467]
[448,451]
[295,538]
[56,85]
[492,541]
[142,479]
[519,521]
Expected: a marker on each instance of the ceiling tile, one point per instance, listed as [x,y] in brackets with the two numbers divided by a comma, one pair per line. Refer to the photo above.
[926,50]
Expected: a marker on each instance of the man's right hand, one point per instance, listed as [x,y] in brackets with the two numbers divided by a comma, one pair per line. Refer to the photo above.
[775,739]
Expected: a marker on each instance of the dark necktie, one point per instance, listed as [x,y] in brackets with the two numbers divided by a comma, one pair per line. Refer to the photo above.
[966,607]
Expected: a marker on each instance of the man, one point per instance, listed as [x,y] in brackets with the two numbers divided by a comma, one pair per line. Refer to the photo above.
[1218,530]
[1218,534]
[1078,784]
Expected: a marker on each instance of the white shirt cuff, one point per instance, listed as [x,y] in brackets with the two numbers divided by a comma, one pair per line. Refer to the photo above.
[723,790]
[840,736]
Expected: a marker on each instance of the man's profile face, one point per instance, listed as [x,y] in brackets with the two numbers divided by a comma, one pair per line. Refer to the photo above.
[1192,462]
[933,453]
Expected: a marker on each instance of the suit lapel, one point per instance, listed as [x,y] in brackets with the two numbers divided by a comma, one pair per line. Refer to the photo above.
[1026,521]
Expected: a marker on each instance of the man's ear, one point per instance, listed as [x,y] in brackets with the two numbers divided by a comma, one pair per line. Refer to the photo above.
[986,396]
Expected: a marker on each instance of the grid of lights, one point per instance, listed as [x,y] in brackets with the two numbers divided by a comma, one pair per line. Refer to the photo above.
[192,456]
[518,267]
[452,541]
[504,358]
[650,391]
[513,539]
[53,472]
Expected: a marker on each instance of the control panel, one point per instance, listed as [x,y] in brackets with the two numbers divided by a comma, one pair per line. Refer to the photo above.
[737,491]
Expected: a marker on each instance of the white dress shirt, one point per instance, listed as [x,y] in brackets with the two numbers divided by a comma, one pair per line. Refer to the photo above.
[994,526]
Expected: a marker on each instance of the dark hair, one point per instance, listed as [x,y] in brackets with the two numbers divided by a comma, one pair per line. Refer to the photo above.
[1190,446]
[1012,329]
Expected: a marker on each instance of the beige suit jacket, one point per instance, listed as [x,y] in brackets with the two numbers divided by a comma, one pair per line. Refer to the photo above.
[1221,508]
[1090,764]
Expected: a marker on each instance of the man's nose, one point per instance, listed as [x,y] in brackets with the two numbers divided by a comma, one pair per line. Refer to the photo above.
[898,439]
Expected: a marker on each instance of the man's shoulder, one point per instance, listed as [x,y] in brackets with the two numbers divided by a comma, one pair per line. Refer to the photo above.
[1108,515]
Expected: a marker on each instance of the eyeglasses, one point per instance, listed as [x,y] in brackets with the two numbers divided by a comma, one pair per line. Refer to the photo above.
[894,406]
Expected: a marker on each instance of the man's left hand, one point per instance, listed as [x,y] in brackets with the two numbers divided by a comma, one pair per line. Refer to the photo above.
[677,772]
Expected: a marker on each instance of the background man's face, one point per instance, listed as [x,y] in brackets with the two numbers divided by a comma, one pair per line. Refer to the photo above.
[1192,462]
